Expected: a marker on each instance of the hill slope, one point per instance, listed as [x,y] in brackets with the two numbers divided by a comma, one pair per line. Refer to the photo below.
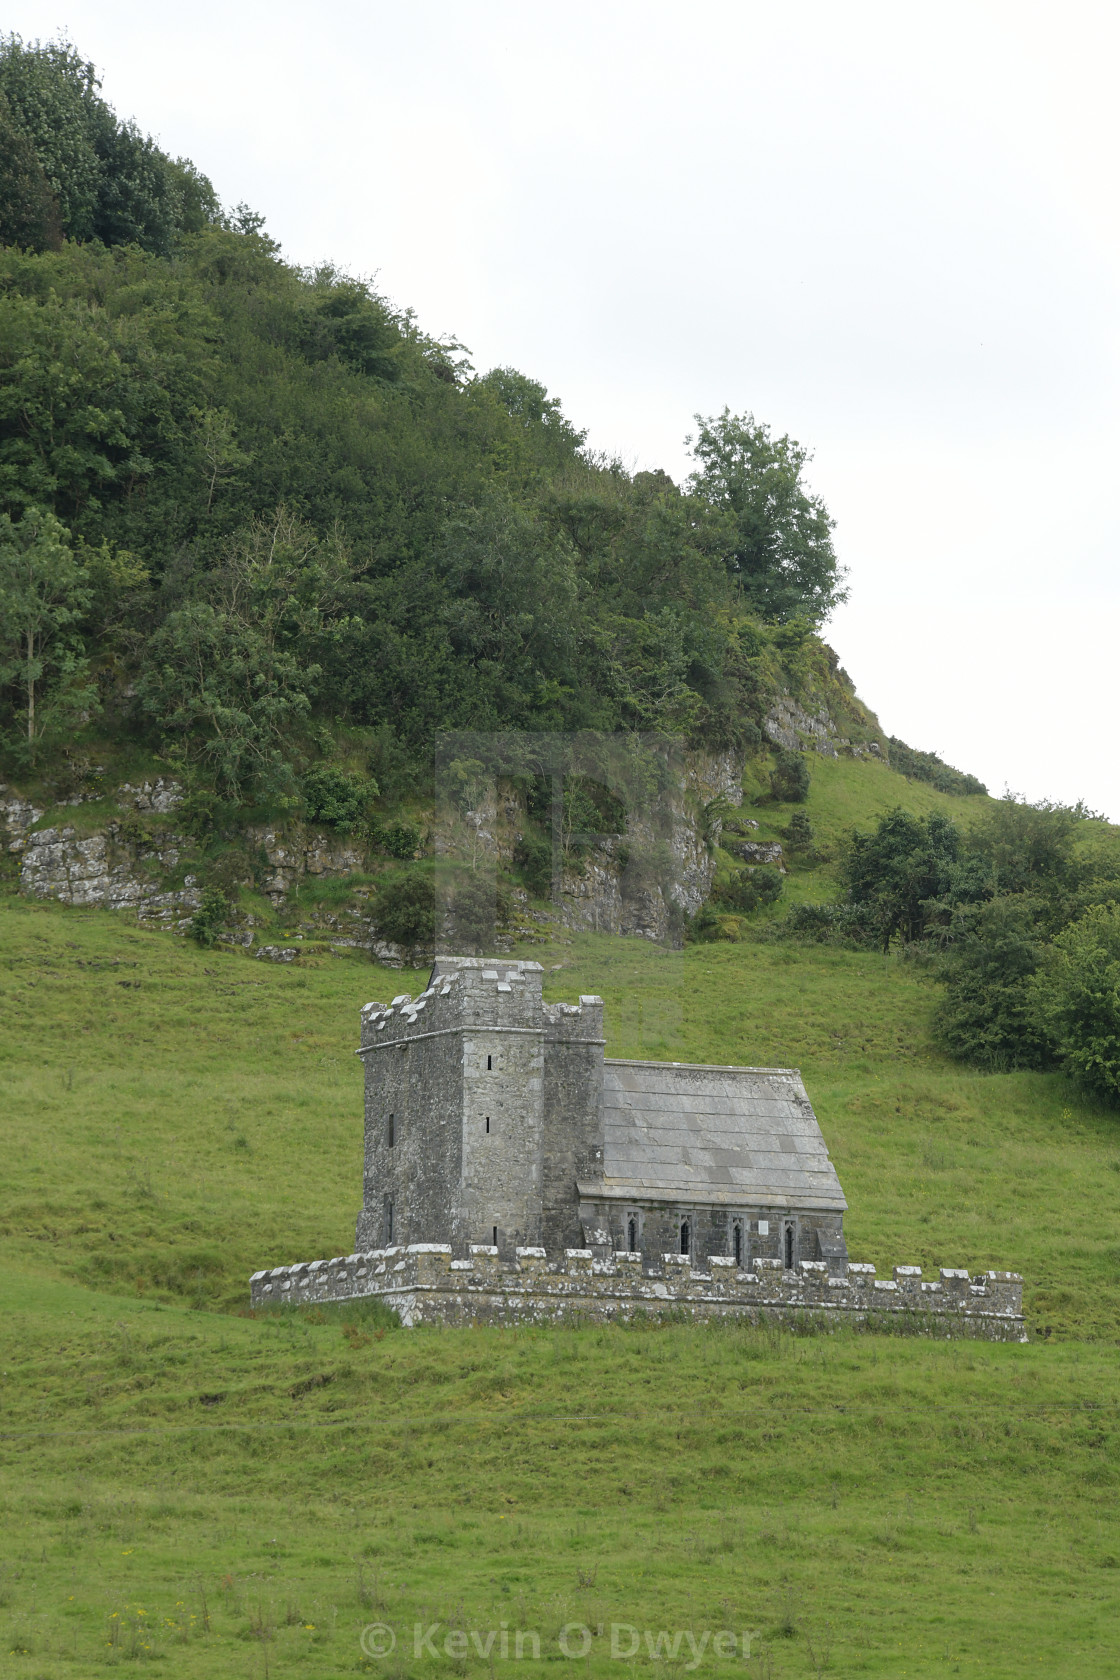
[215,1490]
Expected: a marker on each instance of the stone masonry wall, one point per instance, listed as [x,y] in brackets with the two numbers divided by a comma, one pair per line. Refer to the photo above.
[426,1286]
[495,1104]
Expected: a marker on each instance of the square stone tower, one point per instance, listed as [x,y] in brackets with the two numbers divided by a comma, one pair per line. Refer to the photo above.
[483,1110]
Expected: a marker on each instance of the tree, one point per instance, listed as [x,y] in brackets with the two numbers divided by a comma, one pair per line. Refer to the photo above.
[210,918]
[780,551]
[1077,999]
[230,675]
[106,180]
[338,797]
[790,778]
[1033,848]
[404,908]
[900,875]
[43,595]
[988,1014]
[52,93]
[29,214]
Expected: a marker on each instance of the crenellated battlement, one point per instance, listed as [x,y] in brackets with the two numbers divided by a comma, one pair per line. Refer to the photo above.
[426,1285]
[478,994]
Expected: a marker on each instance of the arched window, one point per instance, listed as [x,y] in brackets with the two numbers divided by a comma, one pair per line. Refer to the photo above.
[737,1242]
[632,1235]
[788,1235]
[686,1237]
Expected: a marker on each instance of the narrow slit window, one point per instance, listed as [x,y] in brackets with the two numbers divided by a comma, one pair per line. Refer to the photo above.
[487,1125]
[686,1237]
[789,1247]
[391,1130]
[489,1063]
[737,1244]
[632,1235]
[495,1243]
[388,1220]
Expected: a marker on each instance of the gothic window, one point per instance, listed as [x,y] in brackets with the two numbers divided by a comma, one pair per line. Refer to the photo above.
[686,1237]
[632,1234]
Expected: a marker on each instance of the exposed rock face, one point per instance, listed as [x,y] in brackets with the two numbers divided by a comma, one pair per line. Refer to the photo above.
[639,883]
[302,852]
[758,853]
[18,815]
[791,727]
[159,796]
[636,883]
[104,870]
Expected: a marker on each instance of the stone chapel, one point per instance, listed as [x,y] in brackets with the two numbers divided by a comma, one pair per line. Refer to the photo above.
[493,1117]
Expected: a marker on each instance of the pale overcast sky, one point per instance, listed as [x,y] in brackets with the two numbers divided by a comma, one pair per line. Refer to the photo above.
[890,230]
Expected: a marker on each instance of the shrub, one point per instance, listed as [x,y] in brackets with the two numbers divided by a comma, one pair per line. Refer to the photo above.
[1077,999]
[337,797]
[823,924]
[399,837]
[533,856]
[927,767]
[798,835]
[748,889]
[987,1016]
[790,779]
[210,917]
[471,911]
[404,909]
[708,926]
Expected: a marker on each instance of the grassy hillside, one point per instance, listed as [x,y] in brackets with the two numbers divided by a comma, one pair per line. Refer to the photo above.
[226,1495]
[232,1497]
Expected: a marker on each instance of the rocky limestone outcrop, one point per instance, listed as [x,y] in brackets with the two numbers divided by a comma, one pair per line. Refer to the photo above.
[106,870]
[298,852]
[759,854]
[791,726]
[641,882]
[17,816]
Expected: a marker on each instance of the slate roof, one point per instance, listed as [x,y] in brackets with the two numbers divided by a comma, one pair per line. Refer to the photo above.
[735,1136]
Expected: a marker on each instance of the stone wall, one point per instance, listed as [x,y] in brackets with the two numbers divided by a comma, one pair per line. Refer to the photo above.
[495,1103]
[426,1286]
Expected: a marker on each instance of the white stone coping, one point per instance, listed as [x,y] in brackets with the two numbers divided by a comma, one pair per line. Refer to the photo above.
[379,1260]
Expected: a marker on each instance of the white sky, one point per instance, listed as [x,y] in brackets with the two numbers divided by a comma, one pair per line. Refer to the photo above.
[891,230]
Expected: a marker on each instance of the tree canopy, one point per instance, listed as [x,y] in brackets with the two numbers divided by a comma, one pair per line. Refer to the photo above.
[295,511]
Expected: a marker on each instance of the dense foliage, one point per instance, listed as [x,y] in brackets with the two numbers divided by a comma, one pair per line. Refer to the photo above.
[1022,914]
[927,767]
[287,512]
[69,168]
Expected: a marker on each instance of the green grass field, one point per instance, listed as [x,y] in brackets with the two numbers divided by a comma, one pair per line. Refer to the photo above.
[220,1495]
